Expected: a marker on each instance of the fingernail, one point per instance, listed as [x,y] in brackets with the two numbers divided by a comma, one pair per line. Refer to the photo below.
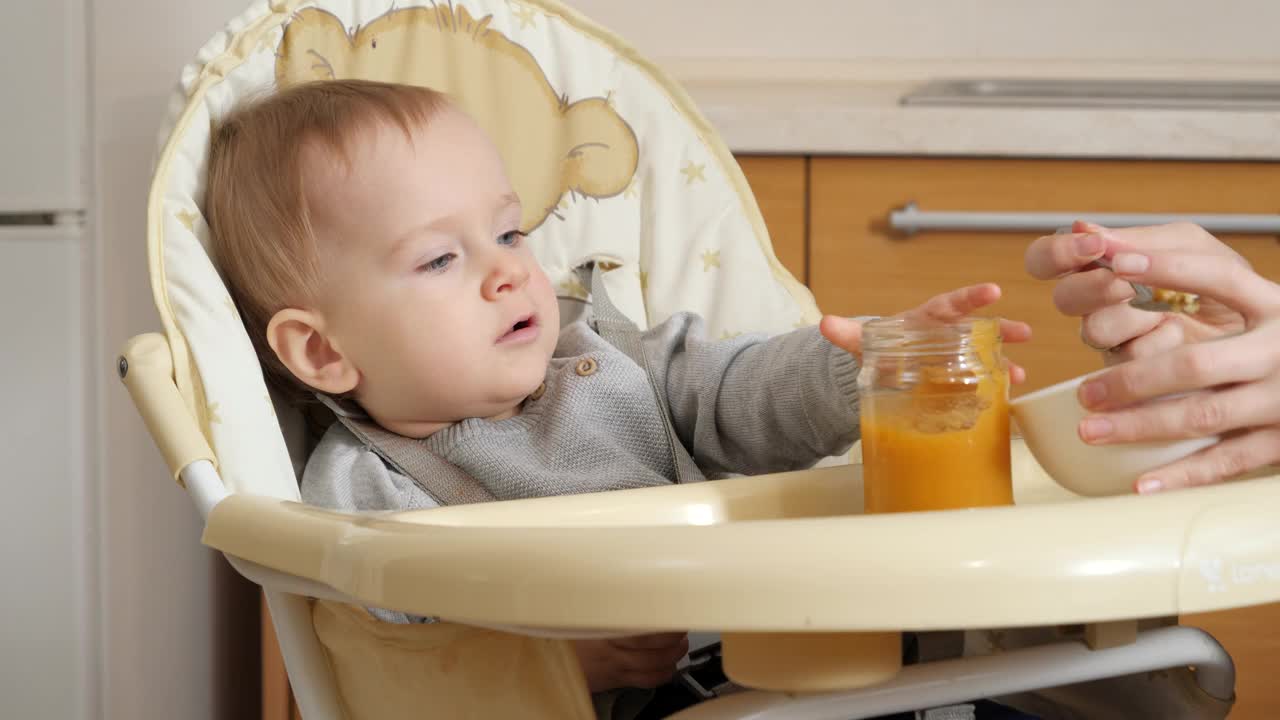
[1150,485]
[1092,394]
[1130,263]
[1089,245]
[1096,428]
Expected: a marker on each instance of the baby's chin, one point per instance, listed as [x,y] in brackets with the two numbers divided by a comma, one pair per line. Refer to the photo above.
[507,397]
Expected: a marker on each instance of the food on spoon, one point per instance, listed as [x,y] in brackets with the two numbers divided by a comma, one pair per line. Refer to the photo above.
[1179,302]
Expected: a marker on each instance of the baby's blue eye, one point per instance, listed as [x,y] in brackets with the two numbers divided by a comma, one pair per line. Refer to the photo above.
[510,239]
[438,264]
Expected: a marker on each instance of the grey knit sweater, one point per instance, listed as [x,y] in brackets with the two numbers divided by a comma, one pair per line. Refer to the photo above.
[748,405]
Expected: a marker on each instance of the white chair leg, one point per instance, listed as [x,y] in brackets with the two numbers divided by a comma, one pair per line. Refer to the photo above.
[951,681]
[312,681]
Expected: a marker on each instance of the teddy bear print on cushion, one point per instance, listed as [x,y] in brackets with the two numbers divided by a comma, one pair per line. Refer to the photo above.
[550,145]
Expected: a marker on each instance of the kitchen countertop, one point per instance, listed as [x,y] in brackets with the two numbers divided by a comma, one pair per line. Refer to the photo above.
[846,108]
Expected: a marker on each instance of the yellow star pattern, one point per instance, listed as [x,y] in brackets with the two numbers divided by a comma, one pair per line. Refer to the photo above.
[726,335]
[187,218]
[608,98]
[573,288]
[710,259]
[693,172]
[644,281]
[526,16]
[214,417]
[633,189]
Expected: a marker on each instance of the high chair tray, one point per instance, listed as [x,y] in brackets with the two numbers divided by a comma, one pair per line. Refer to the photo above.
[784,552]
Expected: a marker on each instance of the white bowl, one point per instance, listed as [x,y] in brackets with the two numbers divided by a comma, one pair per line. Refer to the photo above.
[1050,419]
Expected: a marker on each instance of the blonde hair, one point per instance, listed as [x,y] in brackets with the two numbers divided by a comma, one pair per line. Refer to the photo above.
[255,201]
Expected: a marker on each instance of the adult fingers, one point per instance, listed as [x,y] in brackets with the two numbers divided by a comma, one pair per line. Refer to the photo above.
[1170,333]
[1089,291]
[1220,277]
[1175,238]
[1228,459]
[1056,255]
[1116,324]
[1200,414]
[1242,358]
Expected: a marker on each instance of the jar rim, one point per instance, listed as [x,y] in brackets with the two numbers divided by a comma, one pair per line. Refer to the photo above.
[915,336]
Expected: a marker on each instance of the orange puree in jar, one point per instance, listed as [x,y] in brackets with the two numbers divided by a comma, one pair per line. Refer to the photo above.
[935,424]
[937,448]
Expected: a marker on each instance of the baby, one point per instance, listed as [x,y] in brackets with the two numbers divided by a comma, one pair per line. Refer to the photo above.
[370,237]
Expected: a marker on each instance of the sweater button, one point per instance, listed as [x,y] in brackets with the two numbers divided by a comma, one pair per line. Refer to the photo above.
[537,394]
[586,366]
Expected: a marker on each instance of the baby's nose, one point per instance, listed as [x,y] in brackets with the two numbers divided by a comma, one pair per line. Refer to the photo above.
[507,274]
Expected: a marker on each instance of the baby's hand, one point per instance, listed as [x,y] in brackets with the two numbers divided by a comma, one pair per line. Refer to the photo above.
[642,661]
[947,307]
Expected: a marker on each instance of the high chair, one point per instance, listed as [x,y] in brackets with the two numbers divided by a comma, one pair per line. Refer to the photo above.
[613,163]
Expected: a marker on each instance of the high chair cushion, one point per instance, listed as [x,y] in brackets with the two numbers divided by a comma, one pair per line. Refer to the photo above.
[408,672]
[609,156]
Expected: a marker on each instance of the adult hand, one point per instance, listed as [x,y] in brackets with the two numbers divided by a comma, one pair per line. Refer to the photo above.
[950,306]
[1100,297]
[641,661]
[1223,363]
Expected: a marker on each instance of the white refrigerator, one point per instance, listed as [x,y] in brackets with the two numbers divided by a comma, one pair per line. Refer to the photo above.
[45,655]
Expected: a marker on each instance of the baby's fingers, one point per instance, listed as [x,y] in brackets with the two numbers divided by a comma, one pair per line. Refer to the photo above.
[655,641]
[1017,374]
[1014,331]
[844,333]
[956,304]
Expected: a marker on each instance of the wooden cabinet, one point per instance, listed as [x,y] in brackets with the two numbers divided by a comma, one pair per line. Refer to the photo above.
[859,267]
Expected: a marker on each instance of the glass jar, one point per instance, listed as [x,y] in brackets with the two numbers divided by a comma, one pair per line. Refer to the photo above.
[935,435]
[935,415]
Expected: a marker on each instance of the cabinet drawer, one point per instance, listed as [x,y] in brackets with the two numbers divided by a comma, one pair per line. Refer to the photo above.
[857,266]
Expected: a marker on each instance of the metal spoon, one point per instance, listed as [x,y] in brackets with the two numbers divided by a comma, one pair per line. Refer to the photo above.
[1157,299]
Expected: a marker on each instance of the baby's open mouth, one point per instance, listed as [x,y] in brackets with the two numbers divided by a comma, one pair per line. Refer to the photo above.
[524,323]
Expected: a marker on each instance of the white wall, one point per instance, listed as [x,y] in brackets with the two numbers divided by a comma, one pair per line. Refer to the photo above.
[47,532]
[173,617]
[1116,30]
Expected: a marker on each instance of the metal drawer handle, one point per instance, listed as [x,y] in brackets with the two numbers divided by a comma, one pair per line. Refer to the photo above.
[910,220]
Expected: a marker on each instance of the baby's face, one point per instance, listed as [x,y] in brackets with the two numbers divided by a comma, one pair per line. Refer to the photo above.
[428,288]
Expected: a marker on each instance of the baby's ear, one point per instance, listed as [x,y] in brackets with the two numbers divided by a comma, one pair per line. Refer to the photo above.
[298,339]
